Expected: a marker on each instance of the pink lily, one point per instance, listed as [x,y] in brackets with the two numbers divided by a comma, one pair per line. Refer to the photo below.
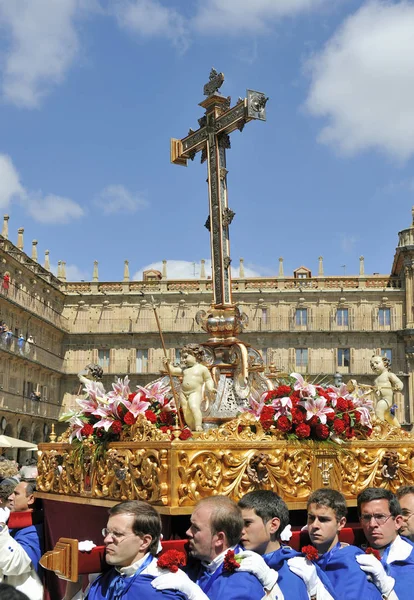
[306,389]
[156,392]
[105,422]
[137,405]
[95,391]
[77,425]
[316,407]
[282,406]
[120,389]
[255,406]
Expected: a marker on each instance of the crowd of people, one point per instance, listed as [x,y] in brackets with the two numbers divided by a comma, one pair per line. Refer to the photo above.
[235,551]
[23,345]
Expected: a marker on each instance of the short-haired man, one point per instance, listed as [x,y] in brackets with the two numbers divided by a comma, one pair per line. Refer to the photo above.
[216,527]
[6,490]
[405,497]
[380,516]
[131,538]
[265,516]
[21,549]
[327,512]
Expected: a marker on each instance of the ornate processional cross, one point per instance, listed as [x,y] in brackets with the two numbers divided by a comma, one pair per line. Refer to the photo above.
[213,139]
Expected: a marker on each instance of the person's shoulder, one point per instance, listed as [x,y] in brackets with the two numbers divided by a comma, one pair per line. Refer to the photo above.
[349,550]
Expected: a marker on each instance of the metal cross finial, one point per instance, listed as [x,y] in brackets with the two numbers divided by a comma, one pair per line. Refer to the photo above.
[216,80]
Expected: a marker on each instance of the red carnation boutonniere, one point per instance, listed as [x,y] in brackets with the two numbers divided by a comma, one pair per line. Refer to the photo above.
[172,560]
[374,552]
[310,552]
[231,563]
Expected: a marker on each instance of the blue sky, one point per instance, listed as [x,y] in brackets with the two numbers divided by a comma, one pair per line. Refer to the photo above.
[91,91]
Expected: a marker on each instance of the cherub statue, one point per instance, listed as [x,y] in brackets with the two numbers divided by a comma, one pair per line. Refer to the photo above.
[385,384]
[196,379]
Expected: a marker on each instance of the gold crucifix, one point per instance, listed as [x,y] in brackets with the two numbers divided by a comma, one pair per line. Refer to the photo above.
[212,138]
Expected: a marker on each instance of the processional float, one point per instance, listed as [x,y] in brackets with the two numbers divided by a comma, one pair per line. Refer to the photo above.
[261,430]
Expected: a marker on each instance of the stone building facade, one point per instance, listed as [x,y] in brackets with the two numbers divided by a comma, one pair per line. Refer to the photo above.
[314,324]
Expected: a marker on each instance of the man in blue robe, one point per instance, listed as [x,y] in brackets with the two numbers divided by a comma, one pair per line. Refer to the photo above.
[216,527]
[380,516]
[131,539]
[265,517]
[405,495]
[326,517]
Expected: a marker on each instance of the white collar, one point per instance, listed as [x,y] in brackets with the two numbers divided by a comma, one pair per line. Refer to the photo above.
[132,569]
[399,550]
[214,564]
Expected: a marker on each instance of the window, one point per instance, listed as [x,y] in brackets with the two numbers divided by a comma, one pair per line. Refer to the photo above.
[387,352]
[103,358]
[301,357]
[142,361]
[342,316]
[301,316]
[384,316]
[343,357]
[264,315]
[177,358]
[302,276]
[263,352]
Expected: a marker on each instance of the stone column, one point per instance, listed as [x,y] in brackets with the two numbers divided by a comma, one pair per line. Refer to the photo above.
[63,272]
[34,250]
[95,275]
[47,260]
[408,270]
[126,270]
[320,268]
[203,269]
[281,273]
[361,266]
[164,269]
[5,231]
[20,243]
[241,269]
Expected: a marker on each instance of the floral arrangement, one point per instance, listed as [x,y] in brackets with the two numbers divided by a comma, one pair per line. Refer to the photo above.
[231,562]
[304,411]
[310,552]
[103,416]
[172,560]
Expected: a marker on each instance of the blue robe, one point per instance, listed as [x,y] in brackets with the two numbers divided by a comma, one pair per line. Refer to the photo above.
[398,561]
[346,576]
[31,540]
[291,584]
[140,589]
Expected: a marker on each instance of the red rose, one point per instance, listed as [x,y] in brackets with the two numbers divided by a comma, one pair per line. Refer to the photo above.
[350,405]
[267,413]
[357,416]
[330,417]
[341,405]
[172,560]
[185,433]
[346,419]
[129,418]
[166,416]
[165,429]
[313,421]
[150,416]
[295,395]
[132,396]
[282,391]
[349,432]
[284,424]
[116,427]
[310,552]
[230,563]
[339,426]
[87,429]
[322,431]
[303,431]
[374,552]
[298,416]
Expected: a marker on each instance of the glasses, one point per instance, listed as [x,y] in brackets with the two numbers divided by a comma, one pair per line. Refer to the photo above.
[115,535]
[406,514]
[379,519]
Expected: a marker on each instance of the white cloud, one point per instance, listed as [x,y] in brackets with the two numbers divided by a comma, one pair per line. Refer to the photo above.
[347,242]
[150,18]
[10,187]
[363,81]
[247,16]
[42,45]
[185,269]
[116,198]
[44,209]
[53,209]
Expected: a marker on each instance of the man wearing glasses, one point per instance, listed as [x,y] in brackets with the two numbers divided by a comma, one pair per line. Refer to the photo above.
[405,496]
[380,516]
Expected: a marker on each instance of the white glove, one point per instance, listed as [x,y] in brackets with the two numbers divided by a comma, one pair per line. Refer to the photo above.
[255,564]
[181,582]
[306,570]
[373,567]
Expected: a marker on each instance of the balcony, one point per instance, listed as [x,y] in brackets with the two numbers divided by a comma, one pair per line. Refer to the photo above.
[35,305]
[120,366]
[24,349]
[138,325]
[321,366]
[321,323]
[16,403]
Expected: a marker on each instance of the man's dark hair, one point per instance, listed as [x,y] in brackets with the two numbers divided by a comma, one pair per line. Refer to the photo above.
[226,517]
[404,490]
[6,489]
[379,494]
[30,488]
[267,505]
[8,592]
[331,499]
[146,520]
